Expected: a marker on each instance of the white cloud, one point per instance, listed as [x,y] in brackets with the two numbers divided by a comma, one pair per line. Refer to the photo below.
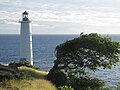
[90,17]
[88,13]
[86,18]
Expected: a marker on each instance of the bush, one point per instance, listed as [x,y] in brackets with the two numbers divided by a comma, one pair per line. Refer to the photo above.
[18,74]
[22,63]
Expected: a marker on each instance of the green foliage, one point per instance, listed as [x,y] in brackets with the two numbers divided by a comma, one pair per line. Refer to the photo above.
[58,77]
[106,89]
[19,74]
[118,86]
[87,84]
[76,57]
[65,88]
[22,75]
[88,51]
[22,63]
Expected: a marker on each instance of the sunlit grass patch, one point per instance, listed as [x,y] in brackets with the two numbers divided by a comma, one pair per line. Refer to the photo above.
[33,73]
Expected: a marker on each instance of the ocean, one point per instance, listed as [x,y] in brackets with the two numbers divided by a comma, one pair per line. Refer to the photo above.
[43,49]
[43,52]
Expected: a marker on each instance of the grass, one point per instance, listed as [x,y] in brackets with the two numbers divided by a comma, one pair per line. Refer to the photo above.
[40,84]
[37,82]
[32,73]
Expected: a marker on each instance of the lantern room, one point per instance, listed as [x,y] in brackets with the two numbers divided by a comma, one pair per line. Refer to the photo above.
[25,16]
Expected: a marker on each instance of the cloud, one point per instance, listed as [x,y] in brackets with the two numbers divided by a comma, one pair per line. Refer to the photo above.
[9,17]
[61,12]
[88,17]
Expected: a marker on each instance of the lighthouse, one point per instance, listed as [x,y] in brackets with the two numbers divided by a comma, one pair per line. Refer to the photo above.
[26,52]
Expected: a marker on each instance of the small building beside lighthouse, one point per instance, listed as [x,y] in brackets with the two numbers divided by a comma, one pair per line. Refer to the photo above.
[26,51]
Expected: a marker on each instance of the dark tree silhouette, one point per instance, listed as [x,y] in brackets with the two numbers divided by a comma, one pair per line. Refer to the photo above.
[76,57]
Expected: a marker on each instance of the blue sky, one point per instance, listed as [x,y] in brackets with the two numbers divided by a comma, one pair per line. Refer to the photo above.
[62,16]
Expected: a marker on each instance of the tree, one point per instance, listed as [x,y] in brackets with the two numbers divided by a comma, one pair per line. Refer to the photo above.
[76,57]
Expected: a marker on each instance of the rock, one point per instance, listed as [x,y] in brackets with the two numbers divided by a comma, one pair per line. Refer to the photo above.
[6,68]
[6,71]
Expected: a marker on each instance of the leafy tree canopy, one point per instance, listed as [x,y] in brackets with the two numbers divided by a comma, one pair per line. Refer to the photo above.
[87,52]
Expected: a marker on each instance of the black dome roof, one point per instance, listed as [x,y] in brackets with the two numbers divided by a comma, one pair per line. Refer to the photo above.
[25,12]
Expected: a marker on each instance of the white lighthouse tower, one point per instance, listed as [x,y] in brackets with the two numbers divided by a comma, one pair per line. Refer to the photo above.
[26,52]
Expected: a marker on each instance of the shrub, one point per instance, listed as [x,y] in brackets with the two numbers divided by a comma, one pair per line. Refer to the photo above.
[22,63]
